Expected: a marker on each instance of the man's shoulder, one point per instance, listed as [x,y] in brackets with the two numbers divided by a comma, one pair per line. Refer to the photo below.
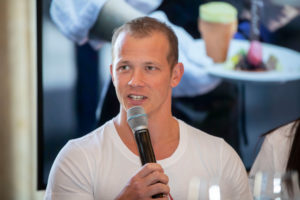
[210,148]
[91,141]
[198,134]
[202,142]
[86,150]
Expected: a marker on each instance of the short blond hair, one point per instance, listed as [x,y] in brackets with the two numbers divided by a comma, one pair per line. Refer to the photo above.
[145,26]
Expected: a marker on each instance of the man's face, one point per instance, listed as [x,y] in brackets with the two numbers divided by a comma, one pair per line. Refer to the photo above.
[141,72]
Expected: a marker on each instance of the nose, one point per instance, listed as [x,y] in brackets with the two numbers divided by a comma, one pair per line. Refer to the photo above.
[137,78]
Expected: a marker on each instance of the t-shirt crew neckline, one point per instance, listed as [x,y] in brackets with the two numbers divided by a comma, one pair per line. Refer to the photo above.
[135,158]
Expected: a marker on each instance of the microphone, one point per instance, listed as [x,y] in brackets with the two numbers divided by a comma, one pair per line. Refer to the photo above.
[138,122]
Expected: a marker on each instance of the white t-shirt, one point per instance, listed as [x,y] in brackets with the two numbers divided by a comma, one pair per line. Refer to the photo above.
[98,165]
[274,152]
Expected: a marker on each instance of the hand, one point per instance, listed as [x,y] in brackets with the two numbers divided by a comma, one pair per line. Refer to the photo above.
[149,181]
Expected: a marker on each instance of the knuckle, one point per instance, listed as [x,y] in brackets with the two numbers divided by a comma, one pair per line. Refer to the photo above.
[133,179]
[167,179]
[134,183]
[148,166]
[156,174]
[168,189]
[165,188]
[156,177]
[161,188]
[139,194]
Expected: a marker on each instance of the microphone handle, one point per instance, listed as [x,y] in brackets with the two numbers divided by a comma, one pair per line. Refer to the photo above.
[146,152]
[144,144]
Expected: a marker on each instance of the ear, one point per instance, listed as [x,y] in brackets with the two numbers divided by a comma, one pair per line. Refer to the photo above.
[177,73]
[111,72]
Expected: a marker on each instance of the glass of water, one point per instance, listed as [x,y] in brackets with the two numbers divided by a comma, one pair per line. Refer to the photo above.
[276,186]
[204,189]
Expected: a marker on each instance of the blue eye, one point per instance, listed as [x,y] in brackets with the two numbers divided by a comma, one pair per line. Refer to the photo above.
[124,68]
[150,68]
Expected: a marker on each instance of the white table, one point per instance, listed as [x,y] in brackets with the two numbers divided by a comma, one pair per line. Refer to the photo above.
[289,60]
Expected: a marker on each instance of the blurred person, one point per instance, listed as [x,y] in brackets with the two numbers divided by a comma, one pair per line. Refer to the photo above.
[104,164]
[280,150]
[277,21]
[272,14]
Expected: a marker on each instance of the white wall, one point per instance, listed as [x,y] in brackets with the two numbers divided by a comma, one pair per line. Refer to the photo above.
[18,100]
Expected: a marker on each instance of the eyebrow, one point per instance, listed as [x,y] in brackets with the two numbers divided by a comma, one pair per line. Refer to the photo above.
[126,62]
[151,63]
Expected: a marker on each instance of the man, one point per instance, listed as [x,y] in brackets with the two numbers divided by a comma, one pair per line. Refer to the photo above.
[202,100]
[105,164]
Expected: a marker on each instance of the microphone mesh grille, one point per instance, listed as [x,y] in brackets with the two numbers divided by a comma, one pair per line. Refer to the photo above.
[137,117]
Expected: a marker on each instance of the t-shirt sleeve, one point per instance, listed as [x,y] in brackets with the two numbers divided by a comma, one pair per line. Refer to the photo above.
[234,175]
[70,175]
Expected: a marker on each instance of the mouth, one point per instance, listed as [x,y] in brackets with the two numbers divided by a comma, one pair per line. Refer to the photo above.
[136,97]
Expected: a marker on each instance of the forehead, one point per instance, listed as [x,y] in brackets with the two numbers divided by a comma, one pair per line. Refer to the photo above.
[156,42]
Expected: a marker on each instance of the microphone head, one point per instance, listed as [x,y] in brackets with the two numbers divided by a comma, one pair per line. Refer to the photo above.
[137,118]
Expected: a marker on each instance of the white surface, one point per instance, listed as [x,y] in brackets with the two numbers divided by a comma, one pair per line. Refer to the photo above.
[288,59]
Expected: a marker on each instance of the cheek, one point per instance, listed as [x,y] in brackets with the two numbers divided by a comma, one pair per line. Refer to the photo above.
[118,89]
[119,83]
[163,85]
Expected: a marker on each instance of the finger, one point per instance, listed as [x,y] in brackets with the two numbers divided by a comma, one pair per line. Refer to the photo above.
[164,197]
[158,188]
[156,177]
[148,169]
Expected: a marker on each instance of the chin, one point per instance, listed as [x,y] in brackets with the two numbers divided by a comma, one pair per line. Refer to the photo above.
[128,106]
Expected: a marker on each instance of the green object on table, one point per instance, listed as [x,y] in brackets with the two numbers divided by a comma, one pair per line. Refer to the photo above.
[233,61]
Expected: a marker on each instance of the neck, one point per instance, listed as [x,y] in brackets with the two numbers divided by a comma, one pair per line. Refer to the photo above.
[158,122]
[163,129]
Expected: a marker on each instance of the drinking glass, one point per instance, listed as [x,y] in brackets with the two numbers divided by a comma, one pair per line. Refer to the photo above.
[276,186]
[204,189]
